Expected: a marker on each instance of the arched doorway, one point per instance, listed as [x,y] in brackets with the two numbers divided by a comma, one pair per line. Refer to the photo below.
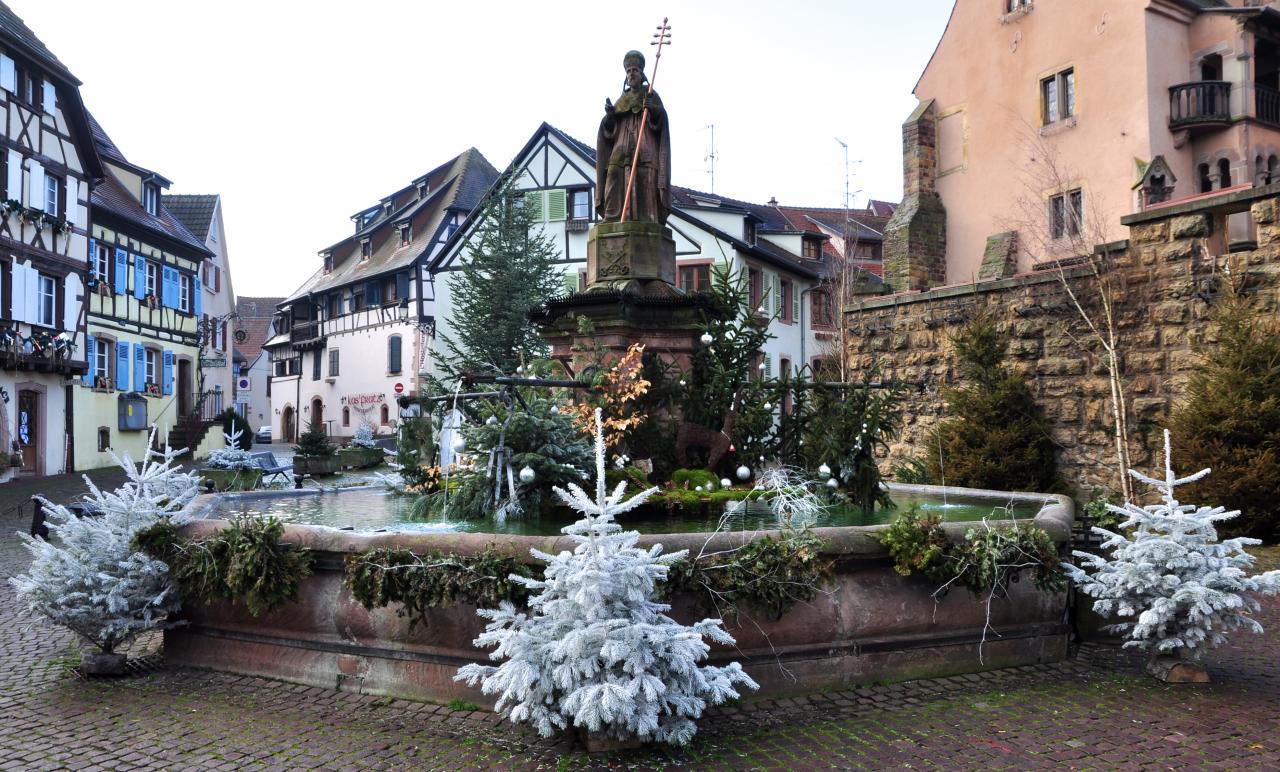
[317,412]
[287,433]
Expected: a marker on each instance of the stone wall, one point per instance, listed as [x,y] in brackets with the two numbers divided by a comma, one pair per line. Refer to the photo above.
[1165,279]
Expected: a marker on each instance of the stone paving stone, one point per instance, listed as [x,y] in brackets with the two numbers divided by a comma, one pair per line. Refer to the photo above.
[1083,713]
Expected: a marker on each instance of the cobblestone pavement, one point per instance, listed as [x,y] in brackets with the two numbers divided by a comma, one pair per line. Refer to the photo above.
[1070,715]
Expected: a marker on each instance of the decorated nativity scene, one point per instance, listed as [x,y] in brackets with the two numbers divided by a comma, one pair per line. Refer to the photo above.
[625,521]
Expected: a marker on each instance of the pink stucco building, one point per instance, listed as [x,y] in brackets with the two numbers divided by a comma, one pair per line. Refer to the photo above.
[1050,118]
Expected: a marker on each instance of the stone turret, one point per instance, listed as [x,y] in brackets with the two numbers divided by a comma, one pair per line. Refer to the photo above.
[915,242]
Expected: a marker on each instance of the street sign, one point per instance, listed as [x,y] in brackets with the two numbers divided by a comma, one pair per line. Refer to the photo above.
[218,362]
[399,388]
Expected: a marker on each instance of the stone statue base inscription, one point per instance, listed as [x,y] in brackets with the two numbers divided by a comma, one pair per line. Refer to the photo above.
[631,257]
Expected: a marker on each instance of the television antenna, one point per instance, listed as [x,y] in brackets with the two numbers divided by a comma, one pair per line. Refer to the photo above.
[710,157]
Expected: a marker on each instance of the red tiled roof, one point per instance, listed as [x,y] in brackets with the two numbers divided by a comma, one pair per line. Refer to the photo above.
[255,320]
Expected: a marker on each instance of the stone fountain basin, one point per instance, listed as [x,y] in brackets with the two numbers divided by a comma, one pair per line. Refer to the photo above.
[868,624]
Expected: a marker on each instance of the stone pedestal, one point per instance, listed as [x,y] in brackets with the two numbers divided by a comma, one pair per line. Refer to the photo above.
[669,325]
[632,257]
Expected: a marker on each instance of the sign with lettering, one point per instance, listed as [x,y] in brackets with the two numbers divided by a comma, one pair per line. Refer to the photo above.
[356,400]
[218,362]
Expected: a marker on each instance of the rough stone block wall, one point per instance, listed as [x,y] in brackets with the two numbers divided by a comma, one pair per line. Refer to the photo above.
[1164,282]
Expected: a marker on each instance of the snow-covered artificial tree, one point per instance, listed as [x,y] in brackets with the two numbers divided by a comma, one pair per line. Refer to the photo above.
[1176,588]
[232,457]
[364,437]
[595,651]
[87,577]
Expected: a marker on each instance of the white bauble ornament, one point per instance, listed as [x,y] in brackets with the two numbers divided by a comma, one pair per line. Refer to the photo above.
[527,475]
[824,471]
[491,420]
[725,482]
[555,410]
[833,483]
[459,444]
[706,339]
[744,473]
[768,406]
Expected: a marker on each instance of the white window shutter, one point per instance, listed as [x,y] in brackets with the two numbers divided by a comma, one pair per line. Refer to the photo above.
[19,292]
[72,215]
[768,365]
[14,188]
[777,295]
[35,186]
[50,97]
[70,306]
[8,74]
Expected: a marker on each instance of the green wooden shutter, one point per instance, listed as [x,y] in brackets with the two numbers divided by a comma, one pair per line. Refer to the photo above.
[777,297]
[533,205]
[556,205]
[768,365]
[795,302]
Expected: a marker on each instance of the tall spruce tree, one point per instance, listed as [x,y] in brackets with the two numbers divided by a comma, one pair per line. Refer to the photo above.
[510,272]
[996,437]
[1229,419]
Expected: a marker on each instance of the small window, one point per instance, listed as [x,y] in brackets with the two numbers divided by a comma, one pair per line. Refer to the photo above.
[346,416]
[1224,173]
[28,85]
[1066,212]
[47,298]
[184,294]
[366,249]
[385,415]
[328,262]
[153,277]
[811,248]
[333,363]
[150,358]
[357,300]
[580,204]
[1203,180]
[150,199]
[406,235]
[755,283]
[102,363]
[749,232]
[102,263]
[820,309]
[695,278]
[317,357]
[1058,97]
[52,188]
[335,305]
[104,439]
[393,354]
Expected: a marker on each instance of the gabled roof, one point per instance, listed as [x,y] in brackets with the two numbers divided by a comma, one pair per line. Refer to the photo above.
[110,196]
[195,211]
[455,186]
[17,32]
[255,320]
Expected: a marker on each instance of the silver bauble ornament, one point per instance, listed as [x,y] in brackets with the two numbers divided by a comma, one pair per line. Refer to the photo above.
[706,339]
[824,471]
[527,475]
[725,482]
[833,482]
[744,473]
[459,444]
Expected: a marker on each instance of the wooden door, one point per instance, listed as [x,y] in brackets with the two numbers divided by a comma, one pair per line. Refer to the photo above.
[29,429]
[286,425]
[185,396]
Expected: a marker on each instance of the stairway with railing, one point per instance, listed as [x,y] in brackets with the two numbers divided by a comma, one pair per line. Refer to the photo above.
[193,427]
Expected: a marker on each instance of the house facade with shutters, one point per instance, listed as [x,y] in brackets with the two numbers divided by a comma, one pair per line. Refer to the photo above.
[47,166]
[784,264]
[145,301]
[254,326]
[201,214]
[360,328]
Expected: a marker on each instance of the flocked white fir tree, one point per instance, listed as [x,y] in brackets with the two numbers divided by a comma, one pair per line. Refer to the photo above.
[232,457]
[363,437]
[1177,590]
[595,651]
[87,577]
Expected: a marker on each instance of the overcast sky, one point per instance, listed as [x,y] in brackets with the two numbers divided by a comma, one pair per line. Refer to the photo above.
[302,113]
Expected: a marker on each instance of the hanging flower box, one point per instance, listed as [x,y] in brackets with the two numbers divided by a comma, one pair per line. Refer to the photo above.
[152,389]
[102,382]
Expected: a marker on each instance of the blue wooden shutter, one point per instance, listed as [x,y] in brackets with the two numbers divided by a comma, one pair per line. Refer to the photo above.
[93,259]
[122,272]
[371,293]
[139,277]
[139,367]
[88,350]
[393,354]
[402,285]
[169,290]
[195,295]
[122,365]
[167,380]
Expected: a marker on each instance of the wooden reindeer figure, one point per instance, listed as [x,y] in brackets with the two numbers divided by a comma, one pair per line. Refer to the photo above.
[716,442]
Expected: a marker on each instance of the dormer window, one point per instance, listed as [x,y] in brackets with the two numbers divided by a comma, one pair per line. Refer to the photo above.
[366,249]
[386,207]
[749,232]
[328,262]
[406,235]
[422,188]
[811,247]
[150,198]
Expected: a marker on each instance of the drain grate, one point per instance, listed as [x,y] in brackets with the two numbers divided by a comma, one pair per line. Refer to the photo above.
[134,667]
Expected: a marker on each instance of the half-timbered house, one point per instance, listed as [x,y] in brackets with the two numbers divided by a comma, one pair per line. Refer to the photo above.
[144,312]
[47,167]
[357,332]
